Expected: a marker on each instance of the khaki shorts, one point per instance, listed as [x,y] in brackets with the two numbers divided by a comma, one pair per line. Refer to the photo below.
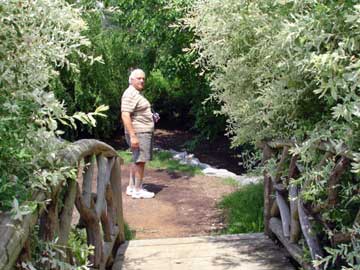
[144,152]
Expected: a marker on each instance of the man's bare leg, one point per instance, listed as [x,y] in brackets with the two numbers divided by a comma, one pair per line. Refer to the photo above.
[139,191]
[139,174]
[132,176]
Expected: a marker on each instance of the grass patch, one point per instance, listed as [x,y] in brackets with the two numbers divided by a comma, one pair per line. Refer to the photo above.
[163,160]
[244,209]
[230,181]
[125,155]
[129,234]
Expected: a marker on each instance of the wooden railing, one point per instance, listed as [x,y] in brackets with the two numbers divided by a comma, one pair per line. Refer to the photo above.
[97,197]
[285,214]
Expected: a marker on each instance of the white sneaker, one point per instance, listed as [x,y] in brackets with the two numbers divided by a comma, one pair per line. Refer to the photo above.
[142,194]
[129,190]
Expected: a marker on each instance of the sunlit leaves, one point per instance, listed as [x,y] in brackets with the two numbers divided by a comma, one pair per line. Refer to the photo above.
[38,38]
[289,69]
[295,58]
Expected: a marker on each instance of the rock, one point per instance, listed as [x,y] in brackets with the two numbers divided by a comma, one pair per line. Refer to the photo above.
[189,159]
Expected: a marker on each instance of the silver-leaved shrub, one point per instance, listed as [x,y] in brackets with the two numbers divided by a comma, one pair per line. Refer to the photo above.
[37,38]
[288,69]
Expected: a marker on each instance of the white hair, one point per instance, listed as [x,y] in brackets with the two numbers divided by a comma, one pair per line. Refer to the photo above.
[132,74]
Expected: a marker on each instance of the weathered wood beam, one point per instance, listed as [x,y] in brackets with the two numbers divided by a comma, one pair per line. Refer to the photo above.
[295,250]
[293,168]
[357,218]
[15,233]
[277,144]
[268,189]
[115,182]
[110,208]
[334,180]
[338,151]
[105,224]
[268,201]
[284,213]
[339,238]
[90,176]
[309,234]
[281,164]
[82,148]
[321,145]
[67,212]
[105,165]
[280,187]
[25,254]
[49,220]
[266,154]
[92,224]
[294,213]
[275,211]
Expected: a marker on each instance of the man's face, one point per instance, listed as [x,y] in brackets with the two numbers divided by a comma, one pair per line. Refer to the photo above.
[138,80]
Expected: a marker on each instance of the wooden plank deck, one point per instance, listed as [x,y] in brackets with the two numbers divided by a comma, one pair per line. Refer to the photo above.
[225,252]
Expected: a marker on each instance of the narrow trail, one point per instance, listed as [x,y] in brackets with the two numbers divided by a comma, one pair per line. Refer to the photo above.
[183,205]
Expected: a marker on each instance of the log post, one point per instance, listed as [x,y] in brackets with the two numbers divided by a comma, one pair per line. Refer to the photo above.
[281,164]
[115,182]
[334,180]
[295,229]
[49,225]
[309,234]
[90,177]
[105,167]
[66,213]
[284,213]
[357,218]
[294,213]
[110,208]
[105,224]
[268,190]
[91,221]
[275,211]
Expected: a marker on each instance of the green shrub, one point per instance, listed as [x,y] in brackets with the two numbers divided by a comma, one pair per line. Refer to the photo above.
[289,70]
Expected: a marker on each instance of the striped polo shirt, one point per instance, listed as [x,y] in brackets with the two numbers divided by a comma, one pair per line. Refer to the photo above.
[139,107]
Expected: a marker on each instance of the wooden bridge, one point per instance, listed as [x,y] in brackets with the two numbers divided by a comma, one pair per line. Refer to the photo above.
[97,197]
[236,252]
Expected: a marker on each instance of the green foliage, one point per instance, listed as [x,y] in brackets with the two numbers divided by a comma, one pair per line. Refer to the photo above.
[281,67]
[244,209]
[289,70]
[30,114]
[77,243]
[129,234]
[347,252]
[50,255]
[38,39]
[139,34]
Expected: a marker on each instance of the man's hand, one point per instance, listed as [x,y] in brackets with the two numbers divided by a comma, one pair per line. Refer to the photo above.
[134,142]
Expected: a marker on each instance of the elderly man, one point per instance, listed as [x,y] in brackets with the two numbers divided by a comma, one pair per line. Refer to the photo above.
[138,121]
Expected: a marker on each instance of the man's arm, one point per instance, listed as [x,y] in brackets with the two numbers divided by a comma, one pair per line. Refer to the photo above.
[125,116]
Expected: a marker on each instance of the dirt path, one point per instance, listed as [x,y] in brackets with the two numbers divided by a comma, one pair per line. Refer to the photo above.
[183,205]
